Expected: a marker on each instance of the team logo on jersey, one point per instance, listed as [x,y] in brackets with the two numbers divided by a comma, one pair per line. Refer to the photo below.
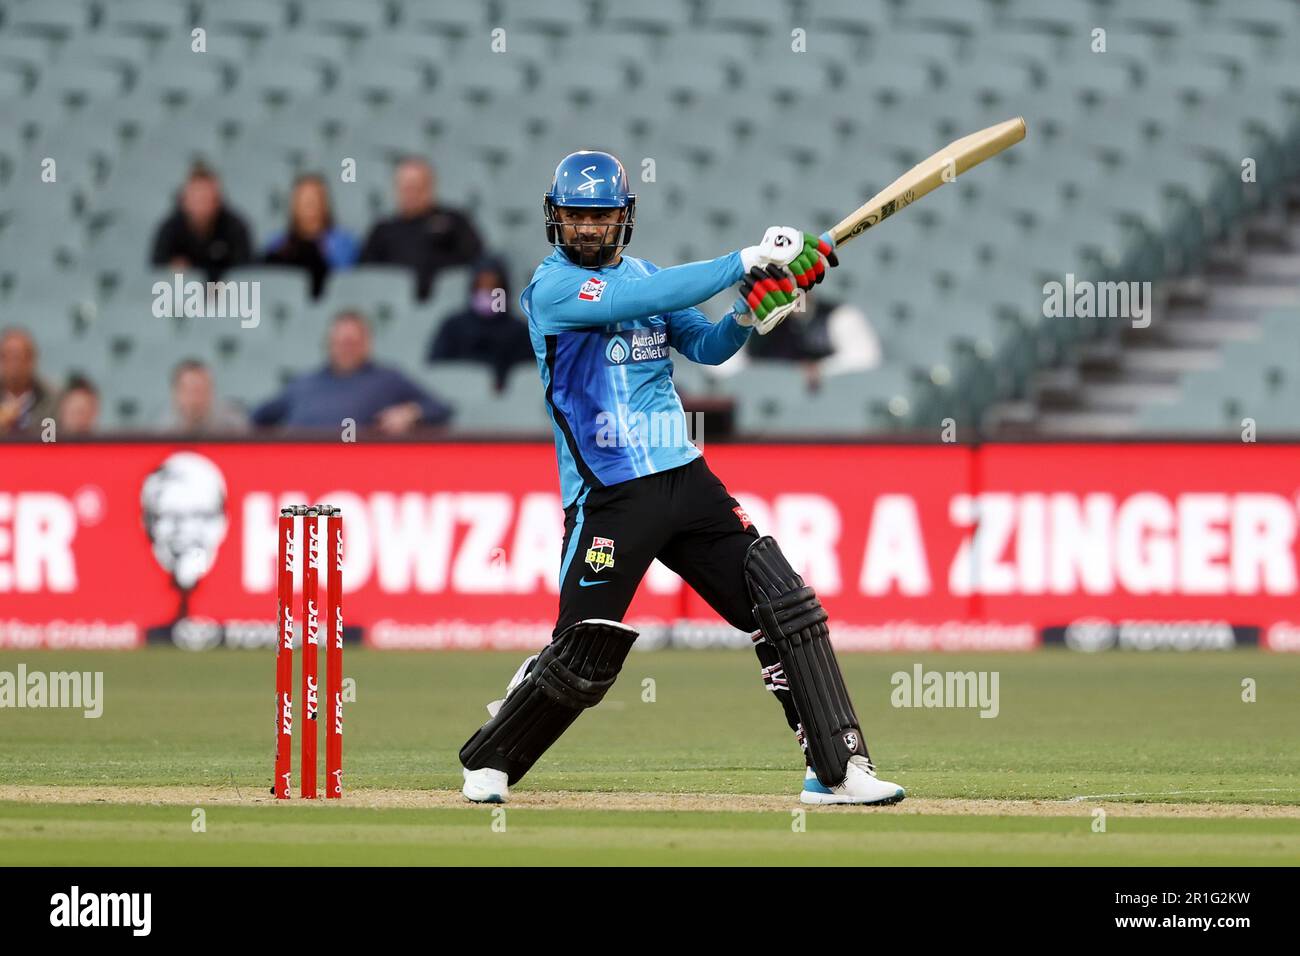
[743,516]
[601,554]
[616,351]
[592,290]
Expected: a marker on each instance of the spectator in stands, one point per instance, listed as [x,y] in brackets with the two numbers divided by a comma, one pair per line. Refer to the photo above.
[352,386]
[485,331]
[827,337]
[312,241]
[25,400]
[195,409]
[202,232]
[424,235]
[78,411]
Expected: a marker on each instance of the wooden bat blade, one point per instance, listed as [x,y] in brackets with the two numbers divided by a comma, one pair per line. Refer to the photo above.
[927,175]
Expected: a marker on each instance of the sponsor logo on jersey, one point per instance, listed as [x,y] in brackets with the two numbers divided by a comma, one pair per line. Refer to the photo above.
[637,345]
[616,350]
[743,516]
[649,344]
[601,554]
[592,290]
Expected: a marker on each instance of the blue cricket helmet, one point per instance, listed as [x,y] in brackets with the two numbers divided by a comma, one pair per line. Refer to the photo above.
[591,179]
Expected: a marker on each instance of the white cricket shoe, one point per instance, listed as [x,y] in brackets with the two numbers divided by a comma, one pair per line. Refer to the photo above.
[486,785]
[860,786]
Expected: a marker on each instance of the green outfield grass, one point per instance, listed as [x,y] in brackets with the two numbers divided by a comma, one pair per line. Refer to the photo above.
[320,835]
[1170,728]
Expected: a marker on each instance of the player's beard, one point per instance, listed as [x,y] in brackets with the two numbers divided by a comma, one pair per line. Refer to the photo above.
[593,250]
[590,256]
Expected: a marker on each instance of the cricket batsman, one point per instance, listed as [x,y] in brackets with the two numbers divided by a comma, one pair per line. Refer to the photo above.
[602,324]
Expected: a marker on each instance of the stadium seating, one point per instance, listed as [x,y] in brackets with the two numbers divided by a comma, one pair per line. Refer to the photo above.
[1141,181]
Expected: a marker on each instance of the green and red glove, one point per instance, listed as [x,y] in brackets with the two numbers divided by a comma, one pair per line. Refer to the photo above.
[809,266]
[786,261]
[767,295]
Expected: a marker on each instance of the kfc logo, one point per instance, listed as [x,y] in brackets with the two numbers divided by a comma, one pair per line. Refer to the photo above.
[592,290]
[313,544]
[183,508]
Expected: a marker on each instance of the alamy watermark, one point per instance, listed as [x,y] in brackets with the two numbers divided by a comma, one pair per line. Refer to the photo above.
[624,428]
[1085,299]
[76,690]
[922,688]
[208,300]
[129,910]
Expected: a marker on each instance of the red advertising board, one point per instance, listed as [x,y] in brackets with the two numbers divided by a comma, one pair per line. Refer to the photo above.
[458,545]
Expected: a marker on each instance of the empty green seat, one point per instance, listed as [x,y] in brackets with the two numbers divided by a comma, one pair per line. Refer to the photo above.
[463,385]
[384,293]
[251,18]
[344,16]
[152,18]
[53,19]
[283,293]
[518,410]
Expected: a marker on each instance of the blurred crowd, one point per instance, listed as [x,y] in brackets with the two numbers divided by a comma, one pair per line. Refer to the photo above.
[202,232]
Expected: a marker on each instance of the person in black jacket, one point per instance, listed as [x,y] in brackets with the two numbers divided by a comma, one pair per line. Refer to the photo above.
[312,241]
[485,330]
[202,233]
[424,235]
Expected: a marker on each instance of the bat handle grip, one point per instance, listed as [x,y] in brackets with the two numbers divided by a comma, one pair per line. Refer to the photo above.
[826,238]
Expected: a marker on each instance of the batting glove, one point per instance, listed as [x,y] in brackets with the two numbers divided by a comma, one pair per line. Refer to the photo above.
[809,267]
[780,246]
[767,296]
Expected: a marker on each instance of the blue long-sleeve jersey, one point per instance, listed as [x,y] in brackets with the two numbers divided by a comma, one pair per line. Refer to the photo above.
[602,339]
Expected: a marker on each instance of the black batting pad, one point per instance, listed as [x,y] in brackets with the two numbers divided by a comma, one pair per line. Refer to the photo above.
[572,673]
[794,621]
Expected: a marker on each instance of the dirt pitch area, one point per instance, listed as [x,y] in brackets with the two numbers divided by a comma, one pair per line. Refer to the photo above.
[669,802]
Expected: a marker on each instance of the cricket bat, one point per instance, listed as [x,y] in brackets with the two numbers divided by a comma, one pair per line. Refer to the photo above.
[929,174]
